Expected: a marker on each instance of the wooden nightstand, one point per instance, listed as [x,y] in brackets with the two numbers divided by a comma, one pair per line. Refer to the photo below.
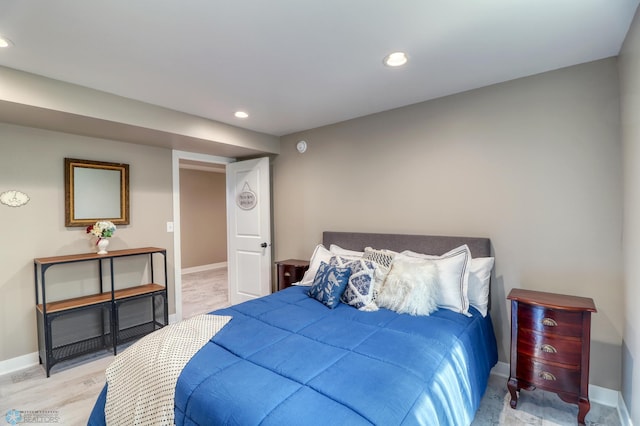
[290,271]
[550,341]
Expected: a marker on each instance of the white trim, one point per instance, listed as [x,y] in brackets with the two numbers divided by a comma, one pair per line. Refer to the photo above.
[203,268]
[204,168]
[604,396]
[623,413]
[177,258]
[18,363]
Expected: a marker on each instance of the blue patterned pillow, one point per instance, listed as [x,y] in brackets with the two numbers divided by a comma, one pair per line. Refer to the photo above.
[329,284]
[359,291]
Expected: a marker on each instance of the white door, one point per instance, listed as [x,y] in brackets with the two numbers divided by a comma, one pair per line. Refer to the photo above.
[249,229]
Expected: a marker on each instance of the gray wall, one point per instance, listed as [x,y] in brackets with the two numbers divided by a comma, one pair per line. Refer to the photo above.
[534,164]
[629,64]
[31,160]
[203,217]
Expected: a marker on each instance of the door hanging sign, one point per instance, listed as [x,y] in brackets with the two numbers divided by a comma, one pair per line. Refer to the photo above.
[246,199]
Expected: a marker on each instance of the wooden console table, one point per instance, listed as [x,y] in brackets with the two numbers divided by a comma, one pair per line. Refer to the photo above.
[107,301]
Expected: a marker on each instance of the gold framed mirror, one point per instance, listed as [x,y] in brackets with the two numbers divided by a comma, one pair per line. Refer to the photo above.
[95,190]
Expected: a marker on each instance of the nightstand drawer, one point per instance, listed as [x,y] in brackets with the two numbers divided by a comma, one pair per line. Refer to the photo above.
[567,350]
[545,320]
[548,376]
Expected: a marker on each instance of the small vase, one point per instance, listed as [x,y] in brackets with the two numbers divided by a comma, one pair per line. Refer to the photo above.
[103,243]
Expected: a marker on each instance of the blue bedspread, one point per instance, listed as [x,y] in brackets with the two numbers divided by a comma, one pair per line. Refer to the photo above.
[288,359]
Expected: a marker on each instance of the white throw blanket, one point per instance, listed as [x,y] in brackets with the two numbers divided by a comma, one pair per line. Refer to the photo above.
[142,379]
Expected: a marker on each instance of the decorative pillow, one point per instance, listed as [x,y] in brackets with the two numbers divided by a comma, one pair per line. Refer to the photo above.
[359,291]
[329,284]
[320,254]
[411,286]
[339,251]
[382,259]
[479,281]
[453,277]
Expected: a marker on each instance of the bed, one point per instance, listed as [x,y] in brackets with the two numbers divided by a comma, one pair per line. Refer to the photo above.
[288,359]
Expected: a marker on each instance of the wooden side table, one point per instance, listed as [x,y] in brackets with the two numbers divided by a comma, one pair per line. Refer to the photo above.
[290,271]
[550,342]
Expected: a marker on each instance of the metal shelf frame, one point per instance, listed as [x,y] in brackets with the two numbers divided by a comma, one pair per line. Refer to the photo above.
[107,300]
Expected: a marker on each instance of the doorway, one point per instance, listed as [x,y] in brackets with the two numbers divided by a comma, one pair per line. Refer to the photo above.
[200,275]
[203,237]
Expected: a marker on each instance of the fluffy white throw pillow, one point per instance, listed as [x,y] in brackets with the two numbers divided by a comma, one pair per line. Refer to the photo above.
[411,286]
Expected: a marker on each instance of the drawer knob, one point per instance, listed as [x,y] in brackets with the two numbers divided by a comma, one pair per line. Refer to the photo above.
[549,322]
[548,348]
[545,375]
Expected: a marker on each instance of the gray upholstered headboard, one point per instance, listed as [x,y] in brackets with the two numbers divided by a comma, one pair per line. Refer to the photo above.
[437,245]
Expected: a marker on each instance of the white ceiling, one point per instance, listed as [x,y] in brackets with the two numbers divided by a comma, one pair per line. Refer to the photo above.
[299,64]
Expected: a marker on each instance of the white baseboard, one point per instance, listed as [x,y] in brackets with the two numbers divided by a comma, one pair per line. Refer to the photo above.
[18,363]
[202,268]
[598,394]
[623,413]
[604,396]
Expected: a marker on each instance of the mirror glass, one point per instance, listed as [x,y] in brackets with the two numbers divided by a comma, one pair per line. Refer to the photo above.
[96,190]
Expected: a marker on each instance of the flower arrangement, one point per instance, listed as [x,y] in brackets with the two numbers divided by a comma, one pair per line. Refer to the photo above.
[102,229]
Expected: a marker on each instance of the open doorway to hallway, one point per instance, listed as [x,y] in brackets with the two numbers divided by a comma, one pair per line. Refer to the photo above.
[203,237]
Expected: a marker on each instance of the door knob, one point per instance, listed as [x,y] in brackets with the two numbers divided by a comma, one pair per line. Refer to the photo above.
[264,245]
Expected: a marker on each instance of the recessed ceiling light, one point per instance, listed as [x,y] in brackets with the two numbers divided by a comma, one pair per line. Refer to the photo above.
[5,42]
[241,114]
[395,59]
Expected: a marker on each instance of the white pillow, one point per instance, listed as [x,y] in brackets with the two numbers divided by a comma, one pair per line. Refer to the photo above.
[339,251]
[453,277]
[320,254]
[411,286]
[479,278]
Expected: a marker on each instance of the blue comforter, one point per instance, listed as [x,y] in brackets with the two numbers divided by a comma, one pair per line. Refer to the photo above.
[288,359]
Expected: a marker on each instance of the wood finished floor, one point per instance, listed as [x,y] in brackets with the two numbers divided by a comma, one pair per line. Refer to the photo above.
[204,292]
[69,394]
